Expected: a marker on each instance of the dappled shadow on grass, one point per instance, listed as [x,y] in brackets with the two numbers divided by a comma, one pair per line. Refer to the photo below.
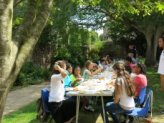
[89,117]
[84,117]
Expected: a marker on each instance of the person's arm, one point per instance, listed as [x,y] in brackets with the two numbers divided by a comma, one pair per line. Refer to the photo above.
[77,80]
[61,70]
[96,71]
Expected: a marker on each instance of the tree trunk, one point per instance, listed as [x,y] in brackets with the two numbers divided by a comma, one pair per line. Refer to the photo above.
[150,51]
[14,52]
[152,34]
[6,14]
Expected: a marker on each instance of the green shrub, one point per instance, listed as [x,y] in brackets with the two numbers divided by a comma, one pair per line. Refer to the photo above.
[31,74]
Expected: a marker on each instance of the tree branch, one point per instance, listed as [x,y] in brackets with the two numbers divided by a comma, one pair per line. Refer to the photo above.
[33,32]
[16,2]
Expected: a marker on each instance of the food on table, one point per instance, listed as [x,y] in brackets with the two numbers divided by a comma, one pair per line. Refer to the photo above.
[75,89]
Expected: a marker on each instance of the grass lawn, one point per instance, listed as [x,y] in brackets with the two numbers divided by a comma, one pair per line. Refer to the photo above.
[23,115]
[27,114]
[154,84]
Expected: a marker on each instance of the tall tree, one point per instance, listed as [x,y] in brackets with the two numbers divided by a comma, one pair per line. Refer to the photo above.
[146,16]
[14,50]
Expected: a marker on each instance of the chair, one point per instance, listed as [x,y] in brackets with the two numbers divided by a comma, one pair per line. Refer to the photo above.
[140,99]
[144,111]
[46,115]
[44,97]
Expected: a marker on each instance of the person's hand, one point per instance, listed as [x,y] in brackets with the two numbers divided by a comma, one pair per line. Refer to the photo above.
[100,69]
[79,79]
[57,67]
[111,83]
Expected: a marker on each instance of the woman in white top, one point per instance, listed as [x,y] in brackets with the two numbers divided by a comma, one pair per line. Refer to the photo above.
[62,110]
[124,93]
[161,62]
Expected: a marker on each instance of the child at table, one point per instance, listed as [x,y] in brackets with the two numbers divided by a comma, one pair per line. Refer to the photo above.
[140,79]
[129,66]
[76,76]
[123,96]
[104,63]
[87,74]
[57,103]
[69,78]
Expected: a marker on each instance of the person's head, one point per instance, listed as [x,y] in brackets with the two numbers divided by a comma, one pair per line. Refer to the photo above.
[103,61]
[77,70]
[128,60]
[89,65]
[140,69]
[161,42]
[69,68]
[61,64]
[119,69]
[109,60]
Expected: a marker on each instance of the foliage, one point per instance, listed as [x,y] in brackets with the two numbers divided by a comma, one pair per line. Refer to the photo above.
[31,74]
[69,41]
[145,17]
[124,14]
[79,43]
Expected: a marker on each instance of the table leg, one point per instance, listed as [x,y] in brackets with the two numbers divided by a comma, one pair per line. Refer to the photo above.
[103,108]
[77,108]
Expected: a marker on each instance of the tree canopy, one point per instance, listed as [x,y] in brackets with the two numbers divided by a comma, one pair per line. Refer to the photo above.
[144,16]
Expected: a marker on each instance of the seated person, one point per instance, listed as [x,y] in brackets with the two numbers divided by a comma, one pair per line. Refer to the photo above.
[129,64]
[69,69]
[134,60]
[87,74]
[69,78]
[76,76]
[123,96]
[140,80]
[103,63]
[57,103]
[88,70]
[109,59]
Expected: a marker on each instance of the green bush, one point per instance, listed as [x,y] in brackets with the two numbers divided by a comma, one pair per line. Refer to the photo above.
[71,53]
[31,74]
